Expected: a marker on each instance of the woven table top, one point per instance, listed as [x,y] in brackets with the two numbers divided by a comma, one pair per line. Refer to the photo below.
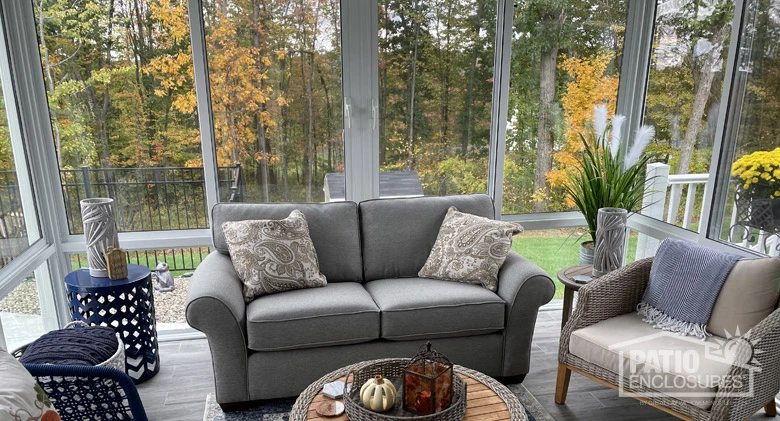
[486,399]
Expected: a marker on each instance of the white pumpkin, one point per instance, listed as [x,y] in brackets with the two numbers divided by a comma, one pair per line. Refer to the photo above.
[378,394]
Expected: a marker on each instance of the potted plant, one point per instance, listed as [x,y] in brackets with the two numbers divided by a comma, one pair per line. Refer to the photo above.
[758,189]
[607,177]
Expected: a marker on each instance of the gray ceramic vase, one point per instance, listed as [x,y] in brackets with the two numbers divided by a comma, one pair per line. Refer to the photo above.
[100,232]
[610,249]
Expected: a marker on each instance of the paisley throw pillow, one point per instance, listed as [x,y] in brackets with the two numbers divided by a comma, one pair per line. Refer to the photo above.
[470,249]
[21,398]
[273,255]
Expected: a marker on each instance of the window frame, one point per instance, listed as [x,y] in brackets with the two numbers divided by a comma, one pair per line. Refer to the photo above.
[20,48]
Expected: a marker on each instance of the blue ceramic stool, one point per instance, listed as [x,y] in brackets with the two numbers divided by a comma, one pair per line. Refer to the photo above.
[127,306]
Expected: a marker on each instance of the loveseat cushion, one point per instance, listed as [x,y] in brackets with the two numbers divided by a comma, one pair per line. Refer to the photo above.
[684,367]
[335,314]
[417,308]
[398,234]
[333,228]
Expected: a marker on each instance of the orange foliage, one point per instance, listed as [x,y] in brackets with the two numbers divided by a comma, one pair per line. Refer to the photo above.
[590,86]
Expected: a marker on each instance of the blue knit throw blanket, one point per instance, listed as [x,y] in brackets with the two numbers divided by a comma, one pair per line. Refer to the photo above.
[684,283]
[80,346]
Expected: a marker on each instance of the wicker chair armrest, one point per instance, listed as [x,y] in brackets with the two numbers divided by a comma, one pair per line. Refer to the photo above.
[122,381]
[749,387]
[609,296]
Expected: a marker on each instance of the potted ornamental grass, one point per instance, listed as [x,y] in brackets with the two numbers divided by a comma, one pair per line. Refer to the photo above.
[607,176]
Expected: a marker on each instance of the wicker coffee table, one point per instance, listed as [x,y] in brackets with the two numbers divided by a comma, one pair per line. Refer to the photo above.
[486,397]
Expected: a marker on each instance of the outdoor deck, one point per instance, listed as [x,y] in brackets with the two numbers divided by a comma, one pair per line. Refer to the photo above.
[179,391]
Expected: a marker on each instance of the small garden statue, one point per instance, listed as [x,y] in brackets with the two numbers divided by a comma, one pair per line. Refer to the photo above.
[164,278]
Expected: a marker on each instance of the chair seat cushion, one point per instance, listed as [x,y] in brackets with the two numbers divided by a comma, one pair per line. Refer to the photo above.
[682,367]
[339,313]
[416,308]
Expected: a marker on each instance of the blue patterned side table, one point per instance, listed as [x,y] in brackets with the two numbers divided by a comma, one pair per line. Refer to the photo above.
[127,306]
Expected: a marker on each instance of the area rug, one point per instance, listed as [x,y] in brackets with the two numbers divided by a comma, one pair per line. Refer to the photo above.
[278,409]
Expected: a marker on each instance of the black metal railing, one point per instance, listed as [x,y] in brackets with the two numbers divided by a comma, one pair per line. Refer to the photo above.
[179,260]
[13,231]
[148,199]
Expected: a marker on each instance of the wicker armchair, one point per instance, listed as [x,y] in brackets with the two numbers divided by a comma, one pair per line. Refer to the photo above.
[617,294]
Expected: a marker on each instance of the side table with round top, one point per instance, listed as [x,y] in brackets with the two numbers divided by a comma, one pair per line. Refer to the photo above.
[570,286]
[486,397]
[125,305]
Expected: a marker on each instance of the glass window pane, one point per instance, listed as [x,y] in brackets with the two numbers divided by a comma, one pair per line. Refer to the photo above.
[750,210]
[18,217]
[684,89]
[435,95]
[22,318]
[565,60]
[275,74]
[553,250]
[119,79]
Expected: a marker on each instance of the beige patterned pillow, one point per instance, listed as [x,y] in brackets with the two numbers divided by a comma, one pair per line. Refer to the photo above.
[273,255]
[470,249]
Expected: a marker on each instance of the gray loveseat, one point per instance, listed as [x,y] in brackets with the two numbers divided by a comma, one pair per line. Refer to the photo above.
[374,305]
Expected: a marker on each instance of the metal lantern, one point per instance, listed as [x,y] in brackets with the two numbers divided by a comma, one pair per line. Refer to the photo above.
[427,382]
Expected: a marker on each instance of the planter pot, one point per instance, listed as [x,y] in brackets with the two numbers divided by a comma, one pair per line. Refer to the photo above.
[765,214]
[586,253]
[610,240]
[100,232]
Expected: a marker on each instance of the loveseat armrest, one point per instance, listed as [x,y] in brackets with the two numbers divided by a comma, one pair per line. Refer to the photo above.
[614,294]
[750,386]
[524,287]
[216,307]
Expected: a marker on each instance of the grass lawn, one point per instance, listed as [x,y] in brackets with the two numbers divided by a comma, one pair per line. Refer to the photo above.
[173,259]
[554,250]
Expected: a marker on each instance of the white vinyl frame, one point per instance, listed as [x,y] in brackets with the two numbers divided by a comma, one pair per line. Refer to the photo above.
[360,91]
[20,62]
[718,178]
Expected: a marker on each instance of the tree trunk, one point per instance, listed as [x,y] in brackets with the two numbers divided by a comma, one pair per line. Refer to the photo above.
[310,156]
[383,90]
[703,87]
[544,141]
[700,100]
[283,86]
[412,86]
[329,120]
[261,135]
[468,124]
[446,71]
[49,80]
[101,111]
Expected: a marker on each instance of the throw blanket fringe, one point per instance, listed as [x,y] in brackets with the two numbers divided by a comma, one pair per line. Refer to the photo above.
[663,321]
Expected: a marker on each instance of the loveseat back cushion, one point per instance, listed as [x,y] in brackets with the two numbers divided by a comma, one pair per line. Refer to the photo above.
[333,228]
[748,296]
[422,309]
[398,234]
[335,314]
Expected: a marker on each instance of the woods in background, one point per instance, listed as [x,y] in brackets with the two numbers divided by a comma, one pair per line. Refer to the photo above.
[119,76]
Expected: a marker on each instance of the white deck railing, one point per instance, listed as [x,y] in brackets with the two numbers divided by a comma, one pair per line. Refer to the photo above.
[664,200]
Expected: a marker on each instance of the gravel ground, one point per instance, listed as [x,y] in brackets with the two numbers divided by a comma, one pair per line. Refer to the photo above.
[23,299]
[168,306]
